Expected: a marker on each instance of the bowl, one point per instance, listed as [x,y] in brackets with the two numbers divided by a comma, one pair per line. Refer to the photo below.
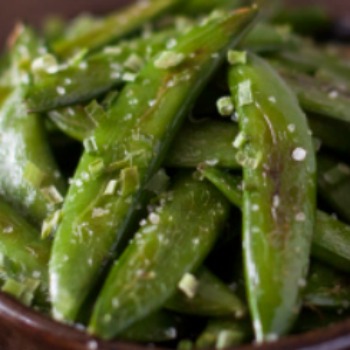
[24,328]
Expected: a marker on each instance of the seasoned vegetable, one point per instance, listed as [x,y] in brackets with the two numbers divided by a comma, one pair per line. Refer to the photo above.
[279,199]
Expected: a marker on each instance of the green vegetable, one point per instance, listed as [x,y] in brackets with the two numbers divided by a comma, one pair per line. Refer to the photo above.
[28,172]
[150,269]
[112,28]
[276,152]
[133,139]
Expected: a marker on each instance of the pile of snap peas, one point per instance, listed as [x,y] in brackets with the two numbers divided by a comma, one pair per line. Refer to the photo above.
[177,172]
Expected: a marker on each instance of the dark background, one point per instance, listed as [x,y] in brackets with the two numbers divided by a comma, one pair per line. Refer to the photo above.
[33,11]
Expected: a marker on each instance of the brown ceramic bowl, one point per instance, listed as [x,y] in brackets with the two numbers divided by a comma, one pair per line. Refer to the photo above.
[21,328]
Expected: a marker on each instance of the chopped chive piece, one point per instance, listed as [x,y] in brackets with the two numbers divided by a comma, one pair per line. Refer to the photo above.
[90,145]
[130,180]
[188,285]
[45,64]
[169,59]
[134,62]
[23,291]
[111,188]
[96,167]
[225,106]
[129,77]
[95,112]
[50,224]
[236,57]
[245,96]
[52,194]
[33,174]
[226,338]
[240,140]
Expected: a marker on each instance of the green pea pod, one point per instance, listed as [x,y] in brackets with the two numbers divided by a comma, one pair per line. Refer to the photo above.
[213,298]
[317,96]
[331,242]
[229,185]
[113,27]
[24,257]
[312,59]
[331,239]
[332,133]
[308,20]
[29,176]
[150,269]
[124,153]
[266,38]
[196,143]
[195,7]
[327,288]
[57,85]
[279,196]
[334,185]
[223,333]
[315,319]
[159,327]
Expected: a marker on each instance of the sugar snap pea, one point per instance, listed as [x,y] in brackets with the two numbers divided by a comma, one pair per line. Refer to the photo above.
[317,96]
[24,256]
[279,194]
[213,298]
[196,143]
[113,27]
[327,287]
[334,184]
[331,239]
[223,333]
[140,280]
[29,177]
[58,85]
[124,153]
[159,327]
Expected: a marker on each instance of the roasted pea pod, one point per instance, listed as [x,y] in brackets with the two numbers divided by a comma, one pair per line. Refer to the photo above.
[279,197]
[229,185]
[327,288]
[196,143]
[150,269]
[331,239]
[318,96]
[212,298]
[265,37]
[124,153]
[29,177]
[58,85]
[24,257]
[223,333]
[113,27]
[331,242]
[195,7]
[314,60]
[159,327]
[334,184]
[333,134]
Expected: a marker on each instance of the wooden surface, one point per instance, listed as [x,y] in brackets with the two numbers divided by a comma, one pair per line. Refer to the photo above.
[33,11]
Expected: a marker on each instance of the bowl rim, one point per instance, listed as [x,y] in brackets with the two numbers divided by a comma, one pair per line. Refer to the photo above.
[36,326]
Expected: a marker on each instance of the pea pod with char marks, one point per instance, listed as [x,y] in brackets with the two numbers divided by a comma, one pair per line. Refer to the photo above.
[124,153]
[150,269]
[29,176]
[279,198]
[331,239]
